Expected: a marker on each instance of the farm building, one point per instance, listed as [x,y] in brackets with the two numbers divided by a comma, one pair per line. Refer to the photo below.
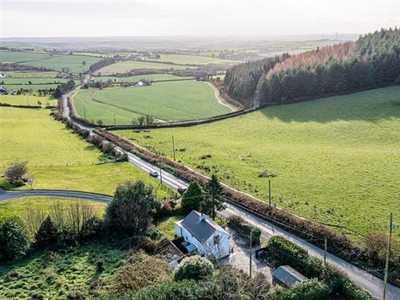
[3,91]
[286,276]
[2,75]
[202,235]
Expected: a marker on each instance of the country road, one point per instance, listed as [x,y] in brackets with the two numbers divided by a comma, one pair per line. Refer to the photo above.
[369,282]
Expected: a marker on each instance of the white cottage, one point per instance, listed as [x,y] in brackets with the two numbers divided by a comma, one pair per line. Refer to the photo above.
[203,235]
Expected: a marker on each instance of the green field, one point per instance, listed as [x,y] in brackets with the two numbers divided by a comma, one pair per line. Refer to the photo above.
[55,62]
[126,66]
[31,74]
[181,100]
[94,111]
[58,158]
[190,59]
[154,77]
[20,206]
[35,84]
[336,159]
[30,100]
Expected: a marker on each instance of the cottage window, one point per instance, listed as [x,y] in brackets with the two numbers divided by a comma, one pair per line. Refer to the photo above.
[216,239]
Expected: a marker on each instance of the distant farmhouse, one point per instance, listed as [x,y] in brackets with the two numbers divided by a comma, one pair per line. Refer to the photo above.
[2,75]
[202,235]
[3,91]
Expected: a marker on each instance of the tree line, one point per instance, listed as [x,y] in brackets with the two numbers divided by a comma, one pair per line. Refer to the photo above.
[102,63]
[63,88]
[370,62]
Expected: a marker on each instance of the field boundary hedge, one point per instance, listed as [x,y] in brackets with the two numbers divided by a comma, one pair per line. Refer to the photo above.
[315,233]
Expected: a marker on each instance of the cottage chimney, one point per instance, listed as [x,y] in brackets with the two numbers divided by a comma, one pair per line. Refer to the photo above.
[202,217]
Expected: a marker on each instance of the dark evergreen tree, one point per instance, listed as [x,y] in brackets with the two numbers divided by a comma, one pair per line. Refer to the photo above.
[47,235]
[193,197]
[14,239]
[214,197]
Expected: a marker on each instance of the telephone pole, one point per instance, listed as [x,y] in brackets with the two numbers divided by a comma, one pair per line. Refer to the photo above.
[391,226]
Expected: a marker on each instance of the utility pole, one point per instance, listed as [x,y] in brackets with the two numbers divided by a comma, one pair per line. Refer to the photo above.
[84,112]
[326,248]
[115,120]
[160,175]
[391,226]
[173,147]
[251,250]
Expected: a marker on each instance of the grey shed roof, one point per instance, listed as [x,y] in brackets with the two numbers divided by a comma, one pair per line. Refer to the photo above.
[288,276]
[200,228]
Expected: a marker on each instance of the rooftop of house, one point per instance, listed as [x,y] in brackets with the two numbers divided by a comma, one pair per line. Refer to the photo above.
[200,226]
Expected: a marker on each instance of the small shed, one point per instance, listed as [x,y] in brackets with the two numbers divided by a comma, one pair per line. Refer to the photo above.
[286,276]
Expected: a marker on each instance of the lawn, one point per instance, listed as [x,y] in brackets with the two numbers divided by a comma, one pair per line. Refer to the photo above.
[56,62]
[59,159]
[167,225]
[181,100]
[126,66]
[52,275]
[336,159]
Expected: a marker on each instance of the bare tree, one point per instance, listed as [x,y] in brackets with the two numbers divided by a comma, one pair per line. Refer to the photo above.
[57,214]
[14,174]
[33,218]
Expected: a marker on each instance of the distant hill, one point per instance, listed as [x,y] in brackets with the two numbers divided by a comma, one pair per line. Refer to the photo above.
[370,62]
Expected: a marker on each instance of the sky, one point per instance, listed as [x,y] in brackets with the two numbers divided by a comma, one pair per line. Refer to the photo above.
[74,18]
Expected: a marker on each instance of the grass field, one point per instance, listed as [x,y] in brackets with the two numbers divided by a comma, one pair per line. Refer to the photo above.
[191,59]
[55,275]
[20,206]
[31,74]
[55,62]
[180,100]
[94,111]
[154,77]
[27,100]
[123,67]
[15,83]
[336,159]
[59,159]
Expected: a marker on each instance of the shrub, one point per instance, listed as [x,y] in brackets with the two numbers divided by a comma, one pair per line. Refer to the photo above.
[193,267]
[14,239]
[129,212]
[47,235]
[285,252]
[15,172]
[91,228]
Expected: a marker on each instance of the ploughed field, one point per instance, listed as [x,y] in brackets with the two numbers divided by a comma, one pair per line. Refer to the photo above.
[336,159]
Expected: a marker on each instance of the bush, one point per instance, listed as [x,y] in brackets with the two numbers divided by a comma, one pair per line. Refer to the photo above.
[193,267]
[91,228]
[285,252]
[14,239]
[47,235]
[15,172]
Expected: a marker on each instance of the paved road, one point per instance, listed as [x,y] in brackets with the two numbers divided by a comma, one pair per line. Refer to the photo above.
[6,195]
[369,282]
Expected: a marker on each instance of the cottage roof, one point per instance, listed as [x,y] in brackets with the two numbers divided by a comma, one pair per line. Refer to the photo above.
[200,226]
